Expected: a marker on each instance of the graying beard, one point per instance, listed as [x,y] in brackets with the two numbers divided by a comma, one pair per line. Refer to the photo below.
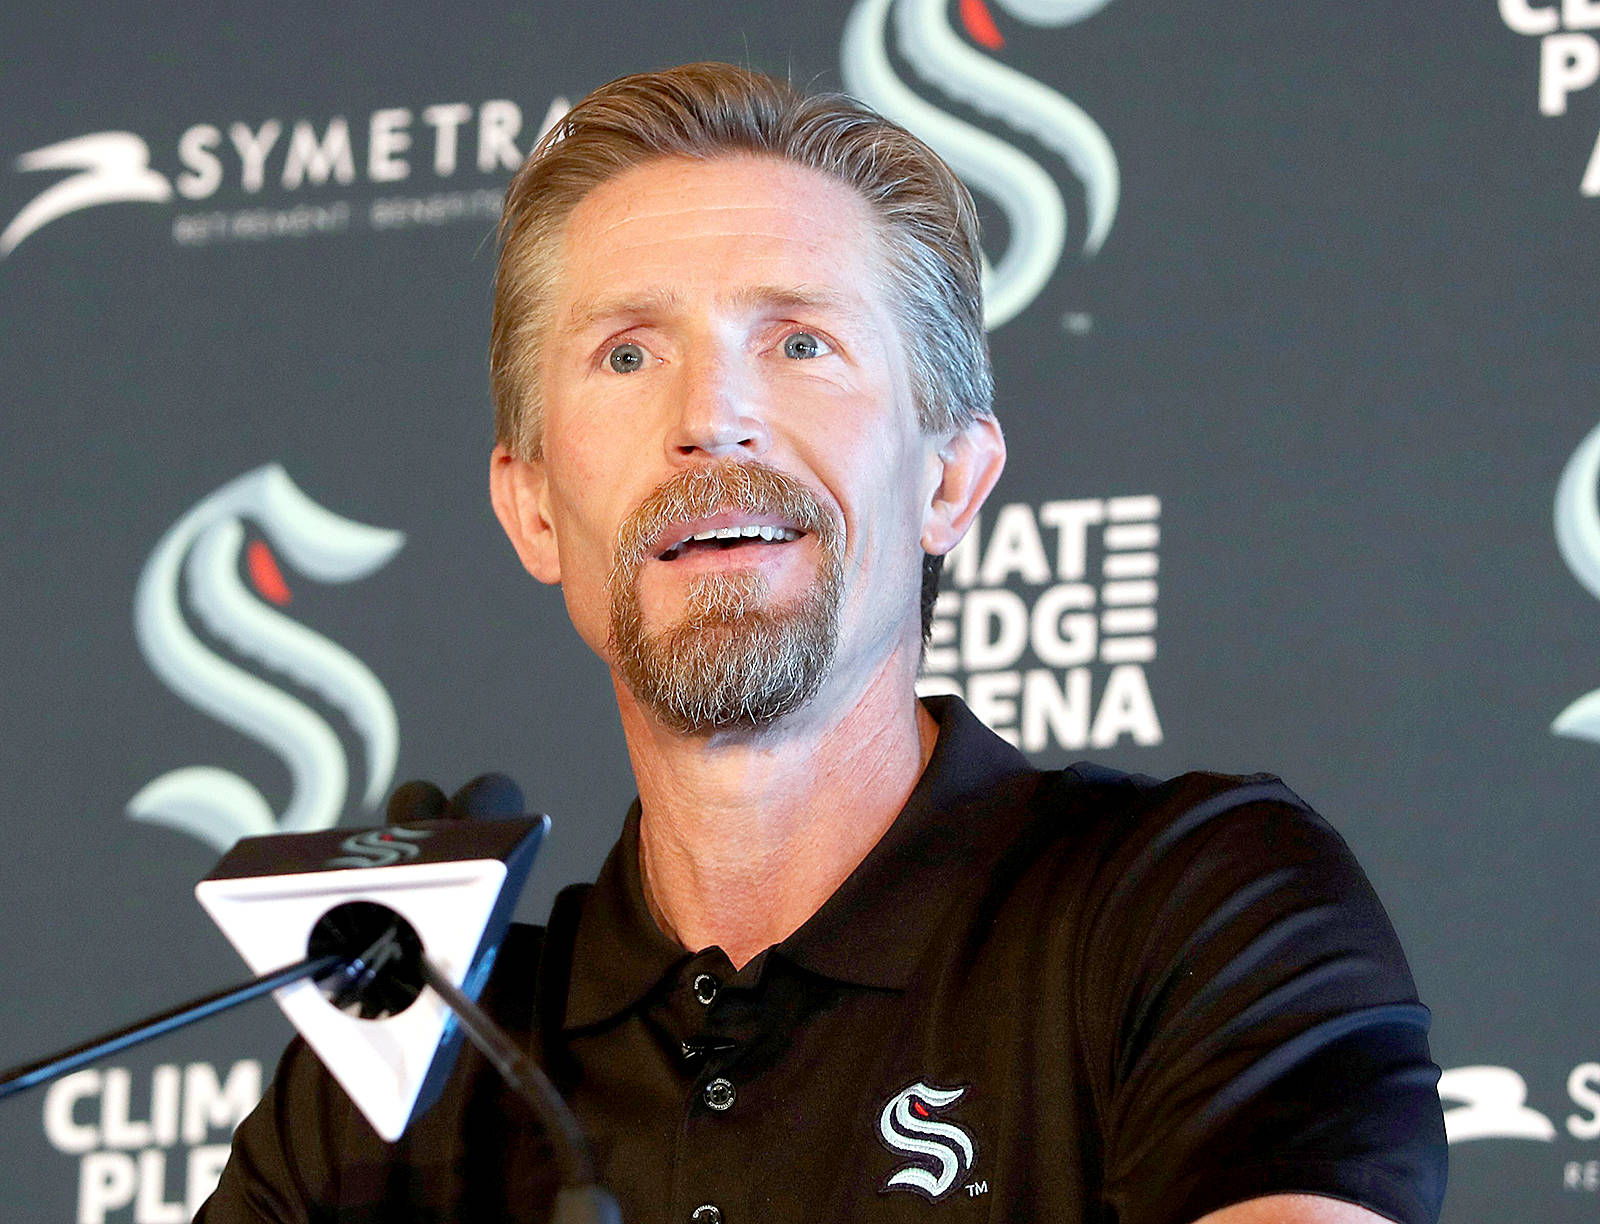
[732,661]
[730,664]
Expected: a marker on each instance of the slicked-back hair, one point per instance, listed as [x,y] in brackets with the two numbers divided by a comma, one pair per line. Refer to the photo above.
[925,217]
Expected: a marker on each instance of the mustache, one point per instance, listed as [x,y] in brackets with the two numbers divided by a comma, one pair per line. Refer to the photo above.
[694,493]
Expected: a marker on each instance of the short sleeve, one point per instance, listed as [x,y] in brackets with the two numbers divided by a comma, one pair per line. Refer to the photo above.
[1265,1036]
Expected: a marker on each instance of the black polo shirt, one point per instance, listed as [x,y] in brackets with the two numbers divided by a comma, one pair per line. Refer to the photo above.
[1073,996]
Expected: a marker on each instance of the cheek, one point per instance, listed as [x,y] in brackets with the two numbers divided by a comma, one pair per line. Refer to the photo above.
[585,512]
[887,509]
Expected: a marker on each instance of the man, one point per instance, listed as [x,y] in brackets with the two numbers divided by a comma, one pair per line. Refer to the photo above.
[853,958]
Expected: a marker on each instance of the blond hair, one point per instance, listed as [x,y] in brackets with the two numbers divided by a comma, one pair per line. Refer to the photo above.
[925,216]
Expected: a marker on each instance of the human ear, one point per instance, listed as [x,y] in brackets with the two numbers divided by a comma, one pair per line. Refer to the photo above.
[519,491]
[964,470]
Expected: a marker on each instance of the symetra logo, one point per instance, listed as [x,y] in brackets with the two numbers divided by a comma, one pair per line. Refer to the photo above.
[1491,1103]
[200,558]
[113,168]
[908,1126]
[292,172]
[1026,193]
[1578,537]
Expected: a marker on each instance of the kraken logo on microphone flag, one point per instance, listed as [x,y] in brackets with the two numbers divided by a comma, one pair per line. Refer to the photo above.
[201,555]
[1578,537]
[379,847]
[907,1125]
[1026,193]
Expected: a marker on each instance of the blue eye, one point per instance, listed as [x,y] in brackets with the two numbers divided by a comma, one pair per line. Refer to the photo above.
[801,345]
[626,358]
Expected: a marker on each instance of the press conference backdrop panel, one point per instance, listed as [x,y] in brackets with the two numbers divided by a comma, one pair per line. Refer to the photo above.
[1292,308]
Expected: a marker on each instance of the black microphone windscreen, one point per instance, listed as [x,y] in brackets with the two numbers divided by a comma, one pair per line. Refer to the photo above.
[489,796]
[416,800]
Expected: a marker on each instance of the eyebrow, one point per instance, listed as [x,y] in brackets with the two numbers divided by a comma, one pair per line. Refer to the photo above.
[669,301]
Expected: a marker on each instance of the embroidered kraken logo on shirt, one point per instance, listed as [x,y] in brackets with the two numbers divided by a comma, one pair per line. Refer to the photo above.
[941,1151]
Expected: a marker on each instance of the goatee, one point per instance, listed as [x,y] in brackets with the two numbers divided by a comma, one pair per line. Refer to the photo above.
[734,660]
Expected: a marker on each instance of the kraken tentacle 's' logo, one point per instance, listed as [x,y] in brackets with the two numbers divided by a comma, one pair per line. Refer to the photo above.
[942,1150]
[1025,192]
[1578,537]
[201,556]
[379,847]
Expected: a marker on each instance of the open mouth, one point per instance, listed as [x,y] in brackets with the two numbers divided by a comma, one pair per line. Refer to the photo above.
[748,535]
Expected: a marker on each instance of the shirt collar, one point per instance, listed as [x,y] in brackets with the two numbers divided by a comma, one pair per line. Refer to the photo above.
[619,952]
[873,929]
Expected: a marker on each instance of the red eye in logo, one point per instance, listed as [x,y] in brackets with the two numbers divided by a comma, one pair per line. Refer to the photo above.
[265,574]
[975,16]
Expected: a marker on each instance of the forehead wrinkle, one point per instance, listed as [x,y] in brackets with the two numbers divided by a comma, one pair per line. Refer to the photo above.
[631,215]
[667,302]
[643,302]
[784,297]
[777,238]
[616,225]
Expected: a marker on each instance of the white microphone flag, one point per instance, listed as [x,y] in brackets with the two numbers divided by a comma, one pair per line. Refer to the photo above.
[455,882]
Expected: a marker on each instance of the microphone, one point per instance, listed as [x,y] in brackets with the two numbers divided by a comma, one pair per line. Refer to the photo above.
[384,977]
[453,881]
[347,928]
[418,799]
[490,796]
[419,903]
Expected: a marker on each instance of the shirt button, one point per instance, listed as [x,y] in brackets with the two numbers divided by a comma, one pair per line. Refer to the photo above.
[706,987]
[719,1096]
[706,1213]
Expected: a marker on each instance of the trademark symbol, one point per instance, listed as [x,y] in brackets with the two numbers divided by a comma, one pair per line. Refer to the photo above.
[975,1188]
[1077,323]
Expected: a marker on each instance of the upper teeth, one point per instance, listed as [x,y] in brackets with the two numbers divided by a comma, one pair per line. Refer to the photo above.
[749,532]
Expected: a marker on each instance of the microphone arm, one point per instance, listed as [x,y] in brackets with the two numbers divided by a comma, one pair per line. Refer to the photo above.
[517,1069]
[396,957]
[581,1199]
[31,1075]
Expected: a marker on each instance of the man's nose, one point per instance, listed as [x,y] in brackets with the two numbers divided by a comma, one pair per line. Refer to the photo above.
[720,413]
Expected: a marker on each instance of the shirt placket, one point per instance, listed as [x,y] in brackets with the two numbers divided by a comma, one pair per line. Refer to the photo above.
[713,1014]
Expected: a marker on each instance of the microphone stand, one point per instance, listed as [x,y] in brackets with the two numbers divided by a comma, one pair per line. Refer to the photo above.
[30,1075]
[581,1199]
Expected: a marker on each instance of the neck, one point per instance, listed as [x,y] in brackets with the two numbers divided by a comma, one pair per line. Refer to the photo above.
[744,835]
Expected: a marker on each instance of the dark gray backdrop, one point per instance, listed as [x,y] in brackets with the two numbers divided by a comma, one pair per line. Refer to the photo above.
[1341,327]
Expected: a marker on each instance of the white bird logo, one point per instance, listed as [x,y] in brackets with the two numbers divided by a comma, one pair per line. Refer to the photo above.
[114,168]
[201,554]
[1493,1104]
